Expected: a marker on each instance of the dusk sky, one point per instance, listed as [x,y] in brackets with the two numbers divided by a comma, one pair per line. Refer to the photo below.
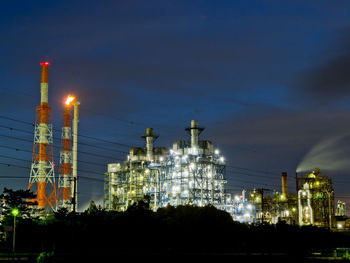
[269,81]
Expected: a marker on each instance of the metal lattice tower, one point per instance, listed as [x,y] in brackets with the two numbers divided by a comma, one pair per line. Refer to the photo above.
[65,179]
[42,174]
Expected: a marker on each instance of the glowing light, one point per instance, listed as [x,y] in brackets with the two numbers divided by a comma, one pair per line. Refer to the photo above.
[217,152]
[222,159]
[161,159]
[15,212]
[69,100]
[249,207]
[45,63]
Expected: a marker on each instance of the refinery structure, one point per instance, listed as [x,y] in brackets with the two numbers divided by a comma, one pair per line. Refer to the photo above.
[190,172]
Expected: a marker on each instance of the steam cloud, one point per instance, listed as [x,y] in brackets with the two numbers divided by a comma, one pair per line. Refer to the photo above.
[330,154]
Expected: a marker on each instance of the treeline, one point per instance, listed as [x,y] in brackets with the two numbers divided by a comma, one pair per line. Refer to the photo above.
[170,230]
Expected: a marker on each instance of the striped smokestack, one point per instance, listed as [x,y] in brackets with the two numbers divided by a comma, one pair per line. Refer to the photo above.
[42,169]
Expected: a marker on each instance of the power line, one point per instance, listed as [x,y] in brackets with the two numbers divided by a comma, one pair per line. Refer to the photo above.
[27,168]
[80,135]
[255,175]
[254,183]
[54,155]
[253,170]
[79,151]
[24,160]
[55,138]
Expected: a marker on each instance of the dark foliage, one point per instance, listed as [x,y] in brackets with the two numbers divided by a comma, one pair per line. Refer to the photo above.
[170,230]
[23,200]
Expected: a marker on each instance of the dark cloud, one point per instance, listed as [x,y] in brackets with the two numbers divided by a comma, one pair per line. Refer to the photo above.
[275,140]
[329,81]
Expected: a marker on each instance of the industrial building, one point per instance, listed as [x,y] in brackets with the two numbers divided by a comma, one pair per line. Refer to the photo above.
[341,208]
[240,208]
[274,206]
[315,200]
[312,205]
[131,181]
[191,173]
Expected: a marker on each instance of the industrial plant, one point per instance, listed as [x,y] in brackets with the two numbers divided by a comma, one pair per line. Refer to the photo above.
[190,172]
[315,200]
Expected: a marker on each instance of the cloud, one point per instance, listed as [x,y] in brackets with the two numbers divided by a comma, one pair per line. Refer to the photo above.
[329,81]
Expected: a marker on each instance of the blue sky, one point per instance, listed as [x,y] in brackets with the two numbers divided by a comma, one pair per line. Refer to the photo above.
[268,79]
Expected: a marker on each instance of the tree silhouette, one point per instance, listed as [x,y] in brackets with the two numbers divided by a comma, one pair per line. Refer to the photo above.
[20,199]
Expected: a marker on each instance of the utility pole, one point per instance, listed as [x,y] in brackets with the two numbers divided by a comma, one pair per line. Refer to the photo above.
[74,201]
[296,193]
[262,205]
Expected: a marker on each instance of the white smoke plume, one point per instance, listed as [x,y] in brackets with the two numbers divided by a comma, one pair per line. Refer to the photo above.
[330,154]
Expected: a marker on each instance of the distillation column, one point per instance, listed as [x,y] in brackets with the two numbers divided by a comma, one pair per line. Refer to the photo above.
[42,168]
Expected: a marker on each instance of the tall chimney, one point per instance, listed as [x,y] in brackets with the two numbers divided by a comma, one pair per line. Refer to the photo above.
[42,168]
[149,137]
[194,134]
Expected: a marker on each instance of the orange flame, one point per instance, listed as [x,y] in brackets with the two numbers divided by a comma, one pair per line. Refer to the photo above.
[69,100]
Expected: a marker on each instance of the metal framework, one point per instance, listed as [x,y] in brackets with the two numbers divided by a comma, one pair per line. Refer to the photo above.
[65,179]
[316,200]
[191,179]
[42,172]
[191,173]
